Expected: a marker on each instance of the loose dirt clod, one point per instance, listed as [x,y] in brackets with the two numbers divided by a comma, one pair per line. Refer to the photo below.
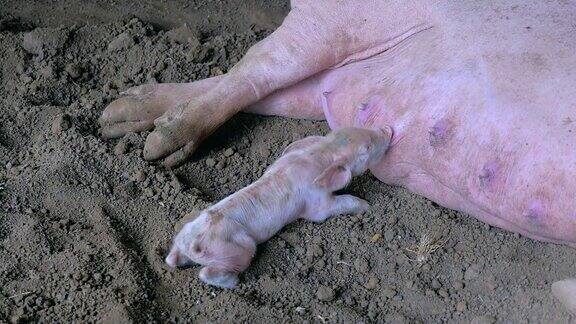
[325,293]
[61,123]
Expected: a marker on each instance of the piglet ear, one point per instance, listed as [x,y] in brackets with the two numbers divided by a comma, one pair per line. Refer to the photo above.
[335,177]
[302,143]
[218,277]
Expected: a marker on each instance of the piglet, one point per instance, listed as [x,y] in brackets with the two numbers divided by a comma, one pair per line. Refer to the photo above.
[300,184]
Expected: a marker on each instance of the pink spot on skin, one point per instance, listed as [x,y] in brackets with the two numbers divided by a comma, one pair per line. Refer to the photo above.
[367,112]
[440,133]
[489,174]
[536,213]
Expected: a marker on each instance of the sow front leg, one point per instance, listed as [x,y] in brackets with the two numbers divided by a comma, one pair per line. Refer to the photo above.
[298,49]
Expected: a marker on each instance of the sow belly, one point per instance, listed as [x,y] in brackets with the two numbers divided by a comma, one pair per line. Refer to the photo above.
[480,126]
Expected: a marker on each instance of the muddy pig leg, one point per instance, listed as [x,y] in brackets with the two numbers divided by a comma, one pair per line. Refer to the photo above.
[141,105]
[295,51]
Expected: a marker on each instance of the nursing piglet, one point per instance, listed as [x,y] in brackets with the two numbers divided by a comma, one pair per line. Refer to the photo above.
[300,184]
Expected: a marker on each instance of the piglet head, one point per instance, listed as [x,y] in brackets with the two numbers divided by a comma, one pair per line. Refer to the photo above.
[361,148]
[220,244]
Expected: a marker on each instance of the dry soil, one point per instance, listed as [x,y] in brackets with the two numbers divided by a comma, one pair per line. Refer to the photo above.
[85,223]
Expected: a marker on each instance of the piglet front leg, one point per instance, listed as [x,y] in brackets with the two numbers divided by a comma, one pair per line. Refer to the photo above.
[334,178]
[339,205]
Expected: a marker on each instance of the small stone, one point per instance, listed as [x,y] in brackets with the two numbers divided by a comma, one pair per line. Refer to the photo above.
[410,284]
[291,238]
[128,189]
[47,72]
[461,306]
[300,310]
[220,165]
[395,319]
[490,283]
[389,235]
[184,35]
[458,285]
[228,152]
[26,78]
[121,147]
[97,276]
[210,162]
[216,71]
[472,272]
[443,293]
[325,293]
[121,42]
[264,152]
[42,40]
[61,123]
[436,284]
[389,293]
[361,265]
[73,70]
[484,319]
[176,184]
[140,176]
[19,316]
[376,237]
[315,250]
[148,192]
[371,283]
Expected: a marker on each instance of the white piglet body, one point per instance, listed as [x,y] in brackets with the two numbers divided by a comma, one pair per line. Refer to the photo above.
[300,184]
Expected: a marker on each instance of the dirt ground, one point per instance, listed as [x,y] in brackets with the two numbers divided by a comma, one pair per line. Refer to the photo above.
[85,223]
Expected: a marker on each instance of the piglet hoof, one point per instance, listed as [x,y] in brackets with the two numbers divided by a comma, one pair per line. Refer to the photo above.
[565,291]
[218,278]
[348,204]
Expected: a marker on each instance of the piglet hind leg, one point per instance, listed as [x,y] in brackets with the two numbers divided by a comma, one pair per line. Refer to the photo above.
[339,205]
